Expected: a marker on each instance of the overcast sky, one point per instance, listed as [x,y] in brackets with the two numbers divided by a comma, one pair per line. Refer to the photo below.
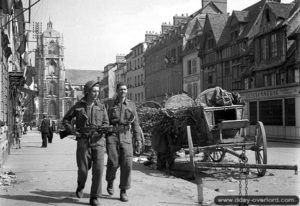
[95,31]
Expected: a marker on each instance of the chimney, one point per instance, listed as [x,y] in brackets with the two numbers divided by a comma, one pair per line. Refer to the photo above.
[165,27]
[150,36]
[221,4]
[179,19]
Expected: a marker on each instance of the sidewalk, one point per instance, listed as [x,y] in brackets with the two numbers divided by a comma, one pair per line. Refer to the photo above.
[47,176]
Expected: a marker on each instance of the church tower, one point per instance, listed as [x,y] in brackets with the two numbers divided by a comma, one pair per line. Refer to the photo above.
[51,74]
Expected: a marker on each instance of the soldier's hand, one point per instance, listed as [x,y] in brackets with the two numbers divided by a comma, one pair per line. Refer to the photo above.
[139,146]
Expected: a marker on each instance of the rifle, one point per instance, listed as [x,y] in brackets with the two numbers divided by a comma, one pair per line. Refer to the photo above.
[89,130]
[99,129]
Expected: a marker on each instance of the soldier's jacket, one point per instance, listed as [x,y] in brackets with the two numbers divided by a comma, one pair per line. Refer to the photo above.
[121,114]
[98,115]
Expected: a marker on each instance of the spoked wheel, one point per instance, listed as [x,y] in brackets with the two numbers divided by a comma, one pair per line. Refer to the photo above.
[260,147]
[217,155]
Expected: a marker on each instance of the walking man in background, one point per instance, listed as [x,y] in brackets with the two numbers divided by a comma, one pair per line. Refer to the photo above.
[123,116]
[45,130]
[88,111]
[50,137]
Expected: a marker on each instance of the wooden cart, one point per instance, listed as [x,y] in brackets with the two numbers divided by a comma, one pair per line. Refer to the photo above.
[228,130]
[228,135]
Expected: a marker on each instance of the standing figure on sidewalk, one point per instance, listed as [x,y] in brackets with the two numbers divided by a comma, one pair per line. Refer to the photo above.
[123,116]
[50,137]
[18,133]
[88,111]
[45,130]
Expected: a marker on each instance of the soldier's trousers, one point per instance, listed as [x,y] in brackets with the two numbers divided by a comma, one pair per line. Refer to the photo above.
[90,157]
[120,153]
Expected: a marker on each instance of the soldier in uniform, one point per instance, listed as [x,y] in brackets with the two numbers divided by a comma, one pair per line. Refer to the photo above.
[123,116]
[88,111]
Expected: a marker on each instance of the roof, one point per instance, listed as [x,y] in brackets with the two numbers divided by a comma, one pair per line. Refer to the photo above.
[248,15]
[241,16]
[80,77]
[217,23]
[281,10]
[294,33]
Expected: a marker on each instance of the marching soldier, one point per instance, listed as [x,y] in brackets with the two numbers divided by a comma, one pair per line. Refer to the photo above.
[89,111]
[123,116]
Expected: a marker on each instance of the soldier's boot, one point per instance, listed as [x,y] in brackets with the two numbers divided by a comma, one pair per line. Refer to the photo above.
[110,188]
[94,201]
[79,193]
[123,196]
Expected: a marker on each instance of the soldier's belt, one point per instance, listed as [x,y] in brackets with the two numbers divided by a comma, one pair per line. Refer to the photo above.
[120,128]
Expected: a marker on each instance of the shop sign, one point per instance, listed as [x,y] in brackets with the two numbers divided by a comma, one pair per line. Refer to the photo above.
[191,79]
[270,93]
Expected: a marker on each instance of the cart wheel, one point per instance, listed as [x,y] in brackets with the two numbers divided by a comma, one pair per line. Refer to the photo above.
[261,147]
[217,156]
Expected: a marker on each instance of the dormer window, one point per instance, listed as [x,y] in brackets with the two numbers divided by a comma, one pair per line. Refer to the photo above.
[268,15]
[210,42]
[234,35]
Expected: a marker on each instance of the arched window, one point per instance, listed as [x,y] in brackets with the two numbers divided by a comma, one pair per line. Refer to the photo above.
[52,88]
[52,67]
[52,108]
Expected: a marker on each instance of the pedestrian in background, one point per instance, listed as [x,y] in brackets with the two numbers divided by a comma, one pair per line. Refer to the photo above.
[18,132]
[50,136]
[87,112]
[45,130]
[123,116]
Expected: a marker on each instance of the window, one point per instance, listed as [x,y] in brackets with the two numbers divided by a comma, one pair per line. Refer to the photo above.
[210,78]
[270,112]
[273,45]
[142,96]
[267,80]
[135,82]
[268,15]
[227,68]
[52,108]
[194,66]
[195,92]
[189,67]
[210,43]
[246,82]
[263,49]
[190,90]
[138,80]
[253,112]
[281,78]
[234,35]
[290,111]
[292,75]
[142,79]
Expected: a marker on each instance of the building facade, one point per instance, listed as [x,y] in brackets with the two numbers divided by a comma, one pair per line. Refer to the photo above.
[108,83]
[166,73]
[12,69]
[256,55]
[274,96]
[51,74]
[135,75]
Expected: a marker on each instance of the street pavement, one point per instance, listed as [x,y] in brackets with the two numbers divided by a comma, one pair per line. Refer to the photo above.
[47,176]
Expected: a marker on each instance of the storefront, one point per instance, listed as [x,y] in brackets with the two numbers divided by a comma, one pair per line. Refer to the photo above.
[278,108]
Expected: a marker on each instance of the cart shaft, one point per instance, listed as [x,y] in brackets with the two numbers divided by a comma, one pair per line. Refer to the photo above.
[252,166]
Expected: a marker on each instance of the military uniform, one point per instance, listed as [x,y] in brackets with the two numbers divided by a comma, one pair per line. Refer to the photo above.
[124,118]
[90,147]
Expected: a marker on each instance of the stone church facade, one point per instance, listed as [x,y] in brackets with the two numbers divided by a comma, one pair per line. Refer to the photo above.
[50,69]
